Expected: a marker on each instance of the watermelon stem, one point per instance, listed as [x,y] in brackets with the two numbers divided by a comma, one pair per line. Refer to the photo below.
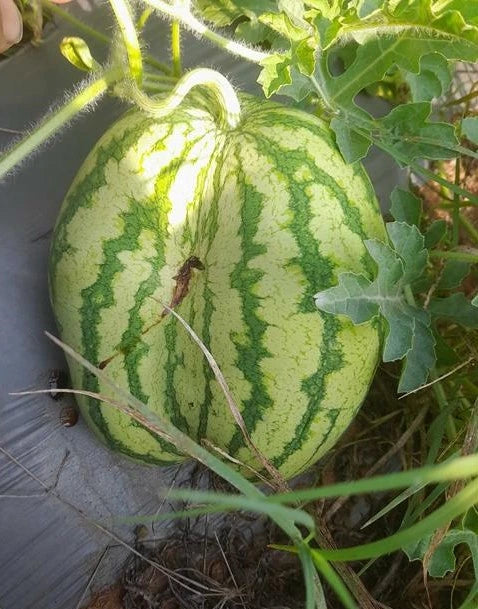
[123,14]
[183,15]
[228,106]
[90,31]
[176,48]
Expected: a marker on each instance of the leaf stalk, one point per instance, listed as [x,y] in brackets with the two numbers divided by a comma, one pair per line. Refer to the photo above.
[89,93]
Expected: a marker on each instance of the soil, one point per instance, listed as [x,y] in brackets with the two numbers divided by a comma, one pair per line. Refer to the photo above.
[229,564]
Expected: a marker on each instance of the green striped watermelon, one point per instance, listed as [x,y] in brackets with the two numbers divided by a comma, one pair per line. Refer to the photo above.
[238,230]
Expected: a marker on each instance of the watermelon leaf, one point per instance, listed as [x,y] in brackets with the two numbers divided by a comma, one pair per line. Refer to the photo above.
[409,336]
[410,246]
[406,207]
[433,79]
[353,146]
[453,274]
[350,297]
[443,559]
[410,135]
[420,358]
[456,308]
[397,34]
[417,40]
[469,128]
[225,12]
[367,7]
[435,233]
[283,25]
[275,74]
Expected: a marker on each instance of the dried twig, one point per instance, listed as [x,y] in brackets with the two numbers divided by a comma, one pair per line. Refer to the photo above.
[437,380]
[91,578]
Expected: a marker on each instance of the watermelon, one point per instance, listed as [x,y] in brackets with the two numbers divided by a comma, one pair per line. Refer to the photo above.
[237,229]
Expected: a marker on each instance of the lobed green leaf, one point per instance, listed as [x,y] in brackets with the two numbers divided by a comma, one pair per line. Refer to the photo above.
[433,79]
[409,244]
[456,308]
[406,207]
[353,145]
[443,559]
[435,233]
[409,336]
[453,274]
[410,135]
[469,128]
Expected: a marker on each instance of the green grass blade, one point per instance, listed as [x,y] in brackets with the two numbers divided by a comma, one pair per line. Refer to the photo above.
[456,469]
[239,502]
[462,501]
[314,593]
[324,567]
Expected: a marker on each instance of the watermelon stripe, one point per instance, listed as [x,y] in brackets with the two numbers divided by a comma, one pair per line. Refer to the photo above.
[332,417]
[296,161]
[99,296]
[209,309]
[159,209]
[207,224]
[243,278]
[82,193]
[172,404]
[319,273]
[330,360]
[290,119]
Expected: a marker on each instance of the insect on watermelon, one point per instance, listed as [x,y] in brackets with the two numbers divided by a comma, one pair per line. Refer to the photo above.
[237,228]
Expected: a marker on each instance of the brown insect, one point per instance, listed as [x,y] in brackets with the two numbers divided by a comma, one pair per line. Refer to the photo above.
[69,416]
[180,291]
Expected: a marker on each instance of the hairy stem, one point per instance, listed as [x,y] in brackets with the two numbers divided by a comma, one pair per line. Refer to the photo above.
[176,48]
[89,31]
[228,106]
[125,21]
[89,93]
[143,18]
[456,255]
[187,19]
